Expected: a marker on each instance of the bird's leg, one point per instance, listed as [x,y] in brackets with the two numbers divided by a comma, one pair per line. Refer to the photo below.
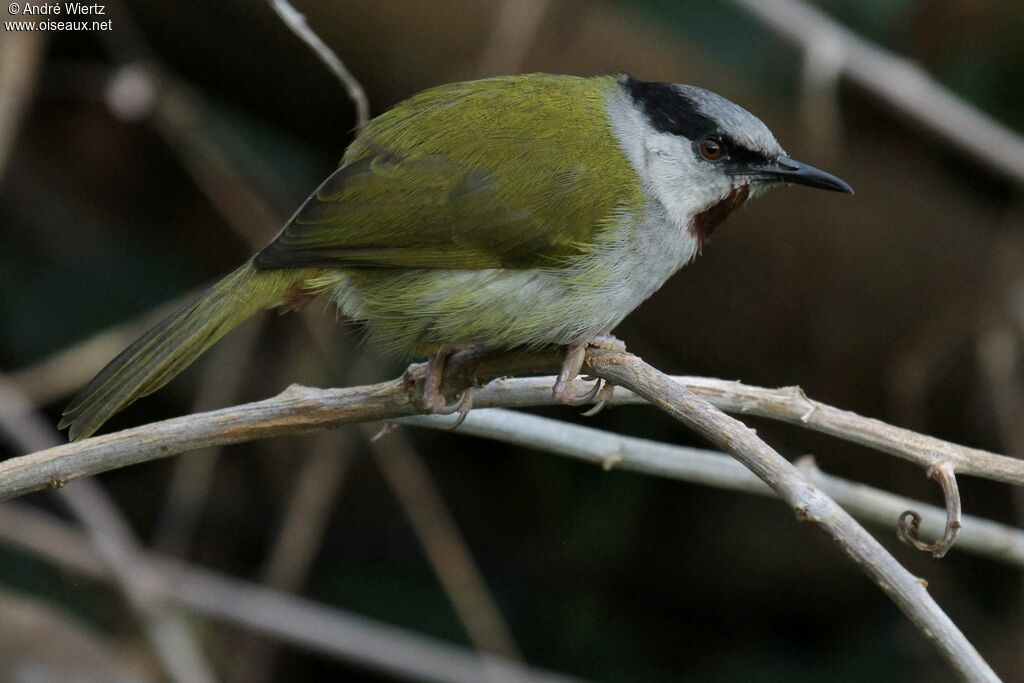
[433,400]
[565,392]
[430,395]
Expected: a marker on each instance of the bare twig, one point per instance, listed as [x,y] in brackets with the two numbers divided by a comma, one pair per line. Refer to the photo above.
[612,451]
[799,493]
[300,409]
[791,404]
[113,539]
[901,83]
[445,548]
[303,623]
[297,23]
[303,409]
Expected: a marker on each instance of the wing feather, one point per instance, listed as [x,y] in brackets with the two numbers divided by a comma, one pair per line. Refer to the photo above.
[482,191]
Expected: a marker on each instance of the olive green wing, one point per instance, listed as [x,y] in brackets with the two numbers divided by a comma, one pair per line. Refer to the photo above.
[455,178]
[423,212]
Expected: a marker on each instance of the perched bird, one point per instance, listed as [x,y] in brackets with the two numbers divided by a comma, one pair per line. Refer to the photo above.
[520,211]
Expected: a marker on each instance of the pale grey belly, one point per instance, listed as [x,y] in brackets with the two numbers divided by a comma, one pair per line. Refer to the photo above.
[414,311]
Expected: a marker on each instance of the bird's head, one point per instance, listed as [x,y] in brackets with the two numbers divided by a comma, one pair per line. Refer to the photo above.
[701,155]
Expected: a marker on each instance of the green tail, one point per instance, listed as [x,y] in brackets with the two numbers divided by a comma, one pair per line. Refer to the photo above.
[175,342]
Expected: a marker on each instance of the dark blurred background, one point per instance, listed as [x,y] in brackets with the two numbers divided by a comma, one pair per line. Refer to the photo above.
[152,158]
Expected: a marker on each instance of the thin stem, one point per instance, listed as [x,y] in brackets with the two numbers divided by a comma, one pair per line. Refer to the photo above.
[709,468]
[807,500]
[297,23]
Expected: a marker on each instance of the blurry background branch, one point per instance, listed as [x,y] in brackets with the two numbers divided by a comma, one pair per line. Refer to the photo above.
[333,632]
[588,581]
[612,451]
[514,31]
[900,82]
[171,639]
[20,57]
[289,561]
[437,532]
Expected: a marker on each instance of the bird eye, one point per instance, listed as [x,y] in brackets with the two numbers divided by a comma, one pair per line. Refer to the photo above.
[712,149]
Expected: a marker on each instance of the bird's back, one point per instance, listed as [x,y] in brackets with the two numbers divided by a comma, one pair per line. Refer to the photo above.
[542,141]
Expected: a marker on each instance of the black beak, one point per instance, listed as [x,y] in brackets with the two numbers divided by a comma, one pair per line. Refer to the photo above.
[786,170]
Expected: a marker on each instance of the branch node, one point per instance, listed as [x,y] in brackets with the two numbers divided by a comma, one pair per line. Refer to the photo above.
[611,460]
[383,431]
[806,463]
[293,391]
[811,405]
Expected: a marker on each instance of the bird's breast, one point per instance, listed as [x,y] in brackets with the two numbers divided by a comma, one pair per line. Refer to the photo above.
[653,248]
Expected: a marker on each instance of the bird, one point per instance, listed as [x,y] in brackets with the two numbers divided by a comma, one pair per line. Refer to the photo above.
[512,212]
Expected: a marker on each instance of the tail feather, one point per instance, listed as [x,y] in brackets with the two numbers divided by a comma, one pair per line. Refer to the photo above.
[174,343]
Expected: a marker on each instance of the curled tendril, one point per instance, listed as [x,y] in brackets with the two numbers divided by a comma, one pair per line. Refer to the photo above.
[909,525]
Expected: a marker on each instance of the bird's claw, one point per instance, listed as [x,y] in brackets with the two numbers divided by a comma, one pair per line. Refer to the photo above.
[603,396]
[564,390]
[433,400]
[462,406]
[569,396]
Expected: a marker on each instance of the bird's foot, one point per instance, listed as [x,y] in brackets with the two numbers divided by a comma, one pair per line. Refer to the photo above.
[433,400]
[564,390]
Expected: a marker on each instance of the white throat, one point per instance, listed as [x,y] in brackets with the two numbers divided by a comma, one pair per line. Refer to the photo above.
[671,175]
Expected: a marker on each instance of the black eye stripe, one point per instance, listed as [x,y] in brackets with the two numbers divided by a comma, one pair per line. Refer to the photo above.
[669,110]
[742,156]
